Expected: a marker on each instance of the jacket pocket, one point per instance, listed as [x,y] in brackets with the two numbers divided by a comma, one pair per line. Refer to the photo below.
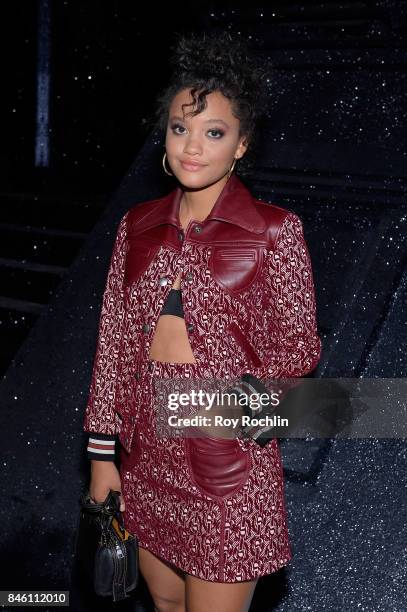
[219,467]
[235,269]
[140,254]
[244,343]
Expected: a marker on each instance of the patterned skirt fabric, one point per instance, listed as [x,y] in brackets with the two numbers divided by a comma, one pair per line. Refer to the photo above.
[229,527]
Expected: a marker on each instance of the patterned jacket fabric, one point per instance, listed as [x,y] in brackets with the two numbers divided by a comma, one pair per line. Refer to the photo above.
[214,508]
[248,298]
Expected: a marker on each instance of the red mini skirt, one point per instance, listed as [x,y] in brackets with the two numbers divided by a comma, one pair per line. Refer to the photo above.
[212,507]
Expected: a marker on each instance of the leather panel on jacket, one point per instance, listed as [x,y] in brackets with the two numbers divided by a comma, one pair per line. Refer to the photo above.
[251,314]
[217,466]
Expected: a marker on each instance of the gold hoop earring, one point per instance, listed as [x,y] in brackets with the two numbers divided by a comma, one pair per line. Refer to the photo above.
[165,169]
[232,166]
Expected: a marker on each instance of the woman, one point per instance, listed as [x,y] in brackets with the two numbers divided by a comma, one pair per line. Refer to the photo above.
[208,511]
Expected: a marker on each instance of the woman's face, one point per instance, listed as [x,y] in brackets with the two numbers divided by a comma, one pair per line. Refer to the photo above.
[210,139]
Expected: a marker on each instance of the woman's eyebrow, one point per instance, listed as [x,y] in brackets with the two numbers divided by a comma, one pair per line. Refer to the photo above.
[207,120]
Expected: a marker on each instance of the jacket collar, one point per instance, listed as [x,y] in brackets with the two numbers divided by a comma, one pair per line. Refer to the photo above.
[235,204]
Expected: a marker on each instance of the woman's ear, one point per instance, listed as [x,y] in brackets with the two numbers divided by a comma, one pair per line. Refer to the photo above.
[241,149]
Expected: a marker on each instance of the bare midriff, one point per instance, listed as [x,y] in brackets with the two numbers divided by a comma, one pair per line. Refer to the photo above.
[170,341]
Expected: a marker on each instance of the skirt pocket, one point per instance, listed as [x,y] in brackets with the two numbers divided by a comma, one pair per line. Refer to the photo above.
[219,467]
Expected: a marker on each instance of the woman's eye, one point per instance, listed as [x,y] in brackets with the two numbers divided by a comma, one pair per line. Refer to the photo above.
[177,126]
[174,127]
[218,131]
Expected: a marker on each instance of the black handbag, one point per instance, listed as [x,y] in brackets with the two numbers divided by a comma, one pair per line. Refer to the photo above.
[106,552]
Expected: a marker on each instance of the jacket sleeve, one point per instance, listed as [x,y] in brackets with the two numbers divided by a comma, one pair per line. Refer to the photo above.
[100,419]
[291,307]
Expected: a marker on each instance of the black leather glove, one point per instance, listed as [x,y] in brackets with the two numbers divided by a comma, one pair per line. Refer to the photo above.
[257,403]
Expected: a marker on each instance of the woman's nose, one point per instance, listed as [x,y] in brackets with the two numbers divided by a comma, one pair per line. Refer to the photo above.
[192,146]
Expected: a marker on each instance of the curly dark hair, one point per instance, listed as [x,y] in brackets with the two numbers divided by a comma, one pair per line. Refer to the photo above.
[219,62]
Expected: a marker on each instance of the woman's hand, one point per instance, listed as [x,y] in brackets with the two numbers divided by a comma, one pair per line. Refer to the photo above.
[104,476]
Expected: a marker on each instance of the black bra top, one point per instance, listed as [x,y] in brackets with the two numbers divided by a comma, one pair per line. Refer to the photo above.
[173,304]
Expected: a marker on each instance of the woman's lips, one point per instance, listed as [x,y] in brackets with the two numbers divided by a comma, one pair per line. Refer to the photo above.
[191,167]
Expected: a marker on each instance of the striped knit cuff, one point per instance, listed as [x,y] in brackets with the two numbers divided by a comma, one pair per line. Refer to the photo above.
[101,447]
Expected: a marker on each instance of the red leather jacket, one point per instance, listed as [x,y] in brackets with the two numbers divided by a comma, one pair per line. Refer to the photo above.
[248,297]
